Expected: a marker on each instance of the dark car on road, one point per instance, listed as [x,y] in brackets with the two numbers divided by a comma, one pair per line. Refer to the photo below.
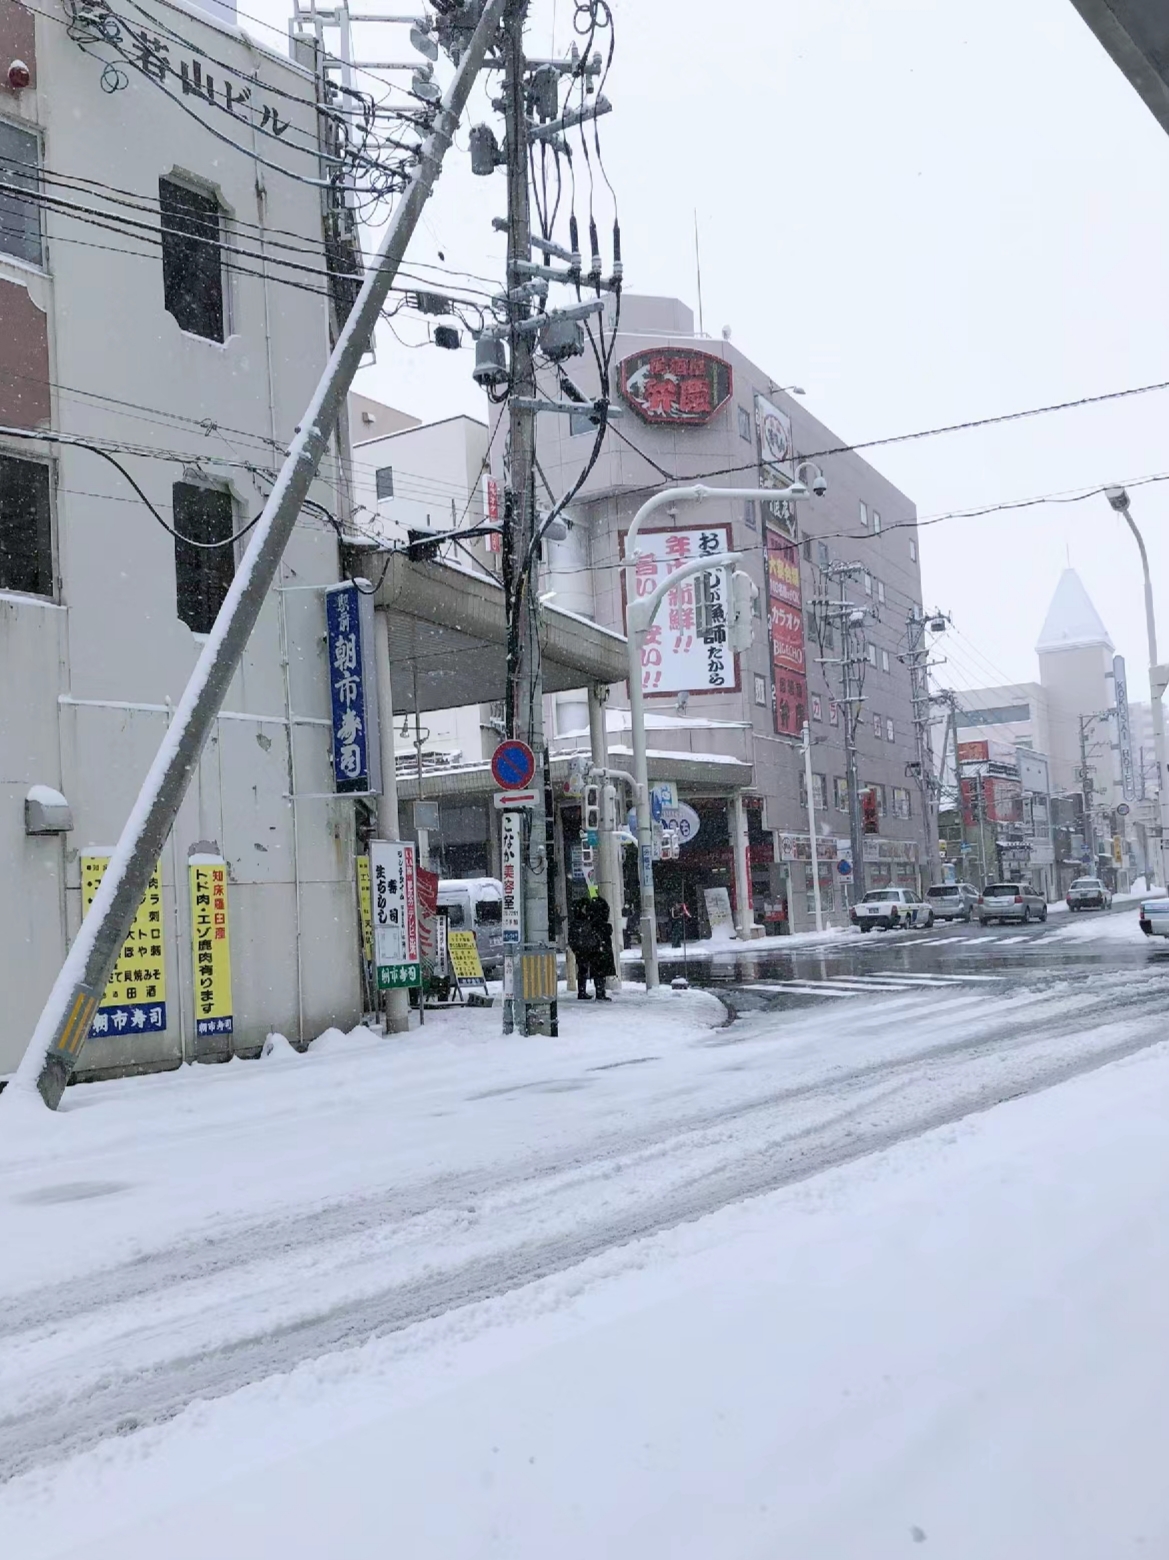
[1088,893]
[952,901]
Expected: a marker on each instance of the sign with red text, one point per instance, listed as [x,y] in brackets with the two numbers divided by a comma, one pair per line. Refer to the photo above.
[675,657]
[396,948]
[668,386]
[785,626]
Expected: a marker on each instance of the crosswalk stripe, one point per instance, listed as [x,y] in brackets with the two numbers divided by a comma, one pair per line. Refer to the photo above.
[806,988]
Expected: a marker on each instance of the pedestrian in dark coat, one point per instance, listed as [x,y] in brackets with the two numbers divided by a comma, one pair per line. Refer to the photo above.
[582,939]
[601,963]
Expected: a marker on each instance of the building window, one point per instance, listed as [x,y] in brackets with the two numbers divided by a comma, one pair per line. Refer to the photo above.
[203,574]
[900,802]
[884,660]
[384,478]
[890,733]
[20,177]
[749,514]
[819,790]
[822,554]
[868,583]
[912,550]
[26,532]
[871,654]
[840,793]
[744,424]
[760,691]
[881,591]
[192,259]
[879,792]
[807,549]
[864,516]
[817,707]
[876,523]
[582,422]
[878,726]
[833,713]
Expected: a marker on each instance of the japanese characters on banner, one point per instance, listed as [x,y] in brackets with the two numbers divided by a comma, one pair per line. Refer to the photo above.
[776,454]
[353,689]
[428,916]
[365,908]
[134,1001]
[210,946]
[491,514]
[665,385]
[396,950]
[674,657]
[510,877]
[785,626]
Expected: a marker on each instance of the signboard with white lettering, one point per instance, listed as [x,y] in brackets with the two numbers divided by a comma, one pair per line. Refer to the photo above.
[353,689]
[675,656]
[396,946]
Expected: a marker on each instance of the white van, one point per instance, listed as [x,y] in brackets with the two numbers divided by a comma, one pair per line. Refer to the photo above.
[476,905]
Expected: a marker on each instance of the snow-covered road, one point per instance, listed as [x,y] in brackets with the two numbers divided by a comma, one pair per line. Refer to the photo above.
[178,1238]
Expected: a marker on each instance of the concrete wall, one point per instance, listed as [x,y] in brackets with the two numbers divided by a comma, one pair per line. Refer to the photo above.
[89,674]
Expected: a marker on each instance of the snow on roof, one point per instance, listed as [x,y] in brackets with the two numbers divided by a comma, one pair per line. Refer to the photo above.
[1072,621]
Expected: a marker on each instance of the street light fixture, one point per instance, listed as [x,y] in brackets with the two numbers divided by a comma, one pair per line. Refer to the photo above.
[1158,674]
[640,614]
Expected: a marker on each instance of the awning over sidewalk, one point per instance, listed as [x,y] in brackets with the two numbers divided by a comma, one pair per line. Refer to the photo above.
[447,632]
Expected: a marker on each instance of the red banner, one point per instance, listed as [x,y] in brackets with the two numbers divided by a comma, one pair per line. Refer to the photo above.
[785,615]
[427,908]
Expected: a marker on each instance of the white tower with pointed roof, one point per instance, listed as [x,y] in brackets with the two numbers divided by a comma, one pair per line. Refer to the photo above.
[1075,669]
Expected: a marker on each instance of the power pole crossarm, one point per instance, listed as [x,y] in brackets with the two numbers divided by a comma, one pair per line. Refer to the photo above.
[64,1023]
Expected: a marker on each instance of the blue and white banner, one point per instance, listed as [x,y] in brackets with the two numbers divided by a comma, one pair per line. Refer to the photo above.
[353,689]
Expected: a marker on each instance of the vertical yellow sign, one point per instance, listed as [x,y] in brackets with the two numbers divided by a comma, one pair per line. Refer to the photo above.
[210,946]
[365,908]
[134,1001]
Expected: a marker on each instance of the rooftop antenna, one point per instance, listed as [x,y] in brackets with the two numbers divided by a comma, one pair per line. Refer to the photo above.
[698,271]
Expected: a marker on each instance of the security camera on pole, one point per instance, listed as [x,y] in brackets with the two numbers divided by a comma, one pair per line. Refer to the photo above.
[640,615]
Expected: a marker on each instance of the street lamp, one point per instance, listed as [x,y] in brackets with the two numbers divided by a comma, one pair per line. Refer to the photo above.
[1158,674]
[640,615]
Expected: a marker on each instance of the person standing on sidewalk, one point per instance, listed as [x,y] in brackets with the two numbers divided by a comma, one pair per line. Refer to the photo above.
[601,962]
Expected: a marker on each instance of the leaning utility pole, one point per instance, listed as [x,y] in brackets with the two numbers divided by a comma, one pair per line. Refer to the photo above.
[64,1023]
[525,704]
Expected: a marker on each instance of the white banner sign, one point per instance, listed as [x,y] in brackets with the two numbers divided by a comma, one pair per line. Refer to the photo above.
[674,658]
[513,827]
[395,903]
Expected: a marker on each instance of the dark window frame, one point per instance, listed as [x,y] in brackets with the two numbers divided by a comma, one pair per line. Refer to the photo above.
[193,282]
[22,234]
[203,575]
[384,489]
[29,570]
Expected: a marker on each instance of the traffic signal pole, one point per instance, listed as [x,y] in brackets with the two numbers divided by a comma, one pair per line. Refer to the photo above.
[63,1026]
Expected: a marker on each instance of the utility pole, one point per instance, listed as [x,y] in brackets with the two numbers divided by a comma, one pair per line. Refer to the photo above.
[844,617]
[64,1023]
[1086,791]
[525,701]
[917,659]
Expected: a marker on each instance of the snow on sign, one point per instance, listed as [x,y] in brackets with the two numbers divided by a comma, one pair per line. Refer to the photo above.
[396,946]
[353,689]
[675,658]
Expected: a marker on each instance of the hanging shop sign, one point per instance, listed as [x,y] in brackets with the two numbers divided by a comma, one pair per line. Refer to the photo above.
[393,873]
[210,946]
[512,826]
[673,388]
[365,908]
[1123,726]
[776,461]
[675,657]
[353,690]
[134,1001]
[785,627]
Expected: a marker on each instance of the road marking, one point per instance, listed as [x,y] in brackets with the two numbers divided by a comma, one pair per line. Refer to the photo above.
[805,988]
[859,985]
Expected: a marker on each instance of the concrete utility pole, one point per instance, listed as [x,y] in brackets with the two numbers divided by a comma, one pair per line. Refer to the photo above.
[1086,791]
[807,741]
[64,1023]
[847,619]
[525,704]
[397,999]
[917,658]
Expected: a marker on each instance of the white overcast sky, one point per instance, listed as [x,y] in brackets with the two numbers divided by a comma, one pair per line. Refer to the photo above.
[922,213]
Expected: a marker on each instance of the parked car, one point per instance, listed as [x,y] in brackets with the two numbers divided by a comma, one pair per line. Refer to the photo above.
[891,908]
[952,901]
[1011,902]
[1088,894]
[1155,917]
[476,905]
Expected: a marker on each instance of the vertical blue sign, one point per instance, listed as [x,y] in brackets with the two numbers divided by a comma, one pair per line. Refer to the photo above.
[352,689]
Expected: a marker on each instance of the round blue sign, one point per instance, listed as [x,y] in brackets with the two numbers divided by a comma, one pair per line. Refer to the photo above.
[844,868]
[513,765]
